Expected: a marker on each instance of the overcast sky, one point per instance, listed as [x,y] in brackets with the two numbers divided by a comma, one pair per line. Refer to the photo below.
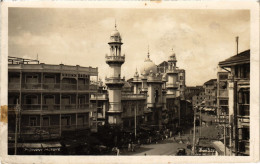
[200,38]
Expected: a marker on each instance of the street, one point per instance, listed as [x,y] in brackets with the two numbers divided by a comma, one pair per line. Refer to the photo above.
[169,146]
[165,147]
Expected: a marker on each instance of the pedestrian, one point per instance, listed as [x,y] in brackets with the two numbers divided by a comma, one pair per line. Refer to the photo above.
[117,151]
[129,146]
[132,146]
[144,154]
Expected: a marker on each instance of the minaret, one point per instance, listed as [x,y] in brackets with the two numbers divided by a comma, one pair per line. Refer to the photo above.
[172,73]
[114,81]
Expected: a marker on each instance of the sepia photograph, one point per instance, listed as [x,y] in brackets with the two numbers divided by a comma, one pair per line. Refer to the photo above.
[132,81]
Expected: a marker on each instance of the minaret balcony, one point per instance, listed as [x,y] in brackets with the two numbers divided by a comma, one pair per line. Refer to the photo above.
[171,85]
[175,71]
[114,81]
[115,59]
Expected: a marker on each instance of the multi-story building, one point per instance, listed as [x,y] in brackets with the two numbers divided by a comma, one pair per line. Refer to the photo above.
[199,98]
[211,93]
[238,67]
[181,77]
[50,98]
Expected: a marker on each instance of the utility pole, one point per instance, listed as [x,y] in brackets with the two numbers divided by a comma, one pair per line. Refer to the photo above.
[237,38]
[225,151]
[200,122]
[135,122]
[194,131]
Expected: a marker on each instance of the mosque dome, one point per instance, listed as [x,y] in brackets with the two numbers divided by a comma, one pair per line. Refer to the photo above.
[148,66]
[115,35]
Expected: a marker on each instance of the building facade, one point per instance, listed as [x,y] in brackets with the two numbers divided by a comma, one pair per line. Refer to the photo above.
[222,96]
[48,99]
[211,93]
[238,68]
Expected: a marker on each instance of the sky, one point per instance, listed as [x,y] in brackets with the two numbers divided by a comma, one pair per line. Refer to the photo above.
[199,38]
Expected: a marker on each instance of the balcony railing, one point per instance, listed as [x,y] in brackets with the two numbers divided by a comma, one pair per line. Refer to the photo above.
[53,106]
[172,71]
[51,86]
[99,96]
[14,85]
[68,106]
[114,80]
[31,107]
[133,96]
[69,86]
[31,86]
[115,58]
[50,107]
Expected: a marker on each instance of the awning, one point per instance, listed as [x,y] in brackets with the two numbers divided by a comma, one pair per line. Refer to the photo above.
[39,145]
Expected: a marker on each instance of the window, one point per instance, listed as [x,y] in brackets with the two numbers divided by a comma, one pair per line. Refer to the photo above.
[46,121]
[31,78]
[243,97]
[31,99]
[81,120]
[223,77]
[33,121]
[49,78]
[65,120]
[132,108]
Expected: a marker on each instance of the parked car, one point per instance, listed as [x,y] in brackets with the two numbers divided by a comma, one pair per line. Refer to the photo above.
[181,151]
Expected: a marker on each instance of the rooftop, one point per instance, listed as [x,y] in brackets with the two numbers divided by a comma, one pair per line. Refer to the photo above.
[241,58]
[211,81]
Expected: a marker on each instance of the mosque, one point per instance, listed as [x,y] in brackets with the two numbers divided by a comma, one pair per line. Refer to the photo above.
[153,97]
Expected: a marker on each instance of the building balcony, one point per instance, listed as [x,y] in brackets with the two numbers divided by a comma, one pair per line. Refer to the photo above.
[14,86]
[133,96]
[175,71]
[171,85]
[99,96]
[114,81]
[115,59]
[54,108]
[51,86]
[36,86]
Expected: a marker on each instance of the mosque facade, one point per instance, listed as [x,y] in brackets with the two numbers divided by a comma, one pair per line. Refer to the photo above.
[152,97]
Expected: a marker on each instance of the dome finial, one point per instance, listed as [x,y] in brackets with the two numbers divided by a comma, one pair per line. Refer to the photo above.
[115,23]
